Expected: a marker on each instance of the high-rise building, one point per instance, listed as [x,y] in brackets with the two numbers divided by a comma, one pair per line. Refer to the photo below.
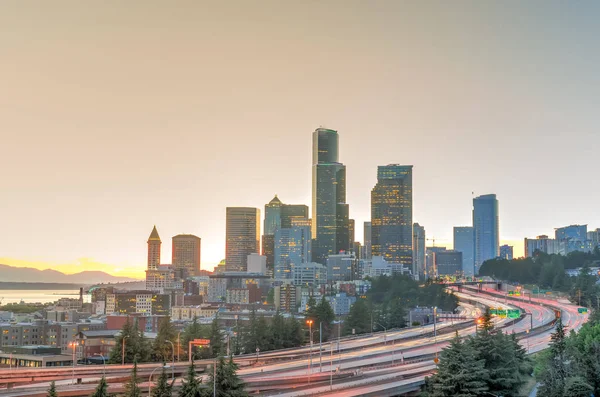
[391,214]
[272,216]
[292,248]
[506,252]
[594,237]
[430,269]
[464,241]
[257,264]
[242,237]
[154,244]
[291,213]
[542,244]
[573,232]
[486,229]
[419,240]
[448,263]
[330,212]
[367,242]
[186,255]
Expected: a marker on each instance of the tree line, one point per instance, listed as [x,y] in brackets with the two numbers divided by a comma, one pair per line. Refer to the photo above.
[389,299]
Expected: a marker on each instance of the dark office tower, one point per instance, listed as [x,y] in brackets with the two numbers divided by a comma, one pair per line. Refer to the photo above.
[186,255]
[329,208]
[268,250]
[367,242]
[291,213]
[351,233]
[486,231]
[419,258]
[391,214]
[464,241]
[154,244]
[272,216]
[242,237]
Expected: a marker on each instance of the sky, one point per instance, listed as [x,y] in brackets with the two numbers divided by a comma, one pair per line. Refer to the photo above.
[117,116]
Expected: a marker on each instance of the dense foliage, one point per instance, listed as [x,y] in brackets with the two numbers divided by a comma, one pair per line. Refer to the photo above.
[489,363]
[137,347]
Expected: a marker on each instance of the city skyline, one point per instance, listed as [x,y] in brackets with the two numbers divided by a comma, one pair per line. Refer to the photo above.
[124,125]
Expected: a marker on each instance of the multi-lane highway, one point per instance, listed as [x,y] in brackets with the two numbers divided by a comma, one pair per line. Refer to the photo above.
[386,363]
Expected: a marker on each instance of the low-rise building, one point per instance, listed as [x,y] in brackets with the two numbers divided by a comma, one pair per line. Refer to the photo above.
[187,313]
[34,356]
[341,303]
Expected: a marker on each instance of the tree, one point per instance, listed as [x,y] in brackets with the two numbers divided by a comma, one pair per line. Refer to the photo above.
[162,388]
[228,384]
[101,389]
[52,390]
[132,387]
[216,338]
[277,331]
[192,331]
[557,369]
[293,333]
[359,318]
[325,317]
[162,350]
[136,346]
[576,386]
[585,348]
[191,386]
[459,373]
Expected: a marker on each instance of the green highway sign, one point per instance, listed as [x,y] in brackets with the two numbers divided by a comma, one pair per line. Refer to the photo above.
[582,310]
[513,313]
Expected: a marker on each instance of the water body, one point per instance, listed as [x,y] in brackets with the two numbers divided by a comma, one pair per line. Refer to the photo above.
[34,296]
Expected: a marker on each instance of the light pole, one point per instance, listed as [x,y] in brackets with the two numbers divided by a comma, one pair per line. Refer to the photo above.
[150,378]
[123,350]
[331,366]
[103,364]
[384,332]
[178,344]
[320,346]
[173,367]
[73,345]
[310,323]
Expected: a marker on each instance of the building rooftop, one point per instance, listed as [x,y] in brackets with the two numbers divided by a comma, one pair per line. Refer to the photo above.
[154,235]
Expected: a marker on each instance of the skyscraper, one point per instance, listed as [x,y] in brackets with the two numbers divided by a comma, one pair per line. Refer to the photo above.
[186,255]
[391,214]
[330,211]
[506,252]
[242,237]
[272,216]
[419,258]
[154,244]
[367,238]
[292,248]
[486,229]
[464,241]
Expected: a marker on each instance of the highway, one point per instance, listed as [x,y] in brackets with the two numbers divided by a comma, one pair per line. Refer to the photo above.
[382,364]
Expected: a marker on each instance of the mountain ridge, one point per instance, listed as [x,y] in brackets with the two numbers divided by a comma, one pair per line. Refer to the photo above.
[29,274]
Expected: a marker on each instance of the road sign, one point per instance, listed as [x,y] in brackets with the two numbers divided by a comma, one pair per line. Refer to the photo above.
[582,310]
[513,313]
[202,342]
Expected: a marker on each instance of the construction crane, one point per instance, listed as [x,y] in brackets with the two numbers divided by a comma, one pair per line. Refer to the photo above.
[431,239]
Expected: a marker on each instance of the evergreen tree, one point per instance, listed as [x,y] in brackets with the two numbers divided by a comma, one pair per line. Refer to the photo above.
[216,338]
[585,347]
[555,375]
[278,331]
[136,346]
[143,347]
[162,388]
[192,331]
[293,333]
[132,387]
[227,382]
[191,386]
[161,349]
[395,314]
[577,386]
[359,318]
[52,390]
[101,389]
[325,317]
[460,372]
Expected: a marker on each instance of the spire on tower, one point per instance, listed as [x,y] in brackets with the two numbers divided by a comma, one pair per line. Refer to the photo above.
[154,235]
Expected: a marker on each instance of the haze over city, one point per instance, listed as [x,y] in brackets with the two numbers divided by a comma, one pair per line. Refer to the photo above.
[120,116]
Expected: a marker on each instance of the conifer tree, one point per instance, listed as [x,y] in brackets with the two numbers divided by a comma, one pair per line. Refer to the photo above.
[162,388]
[132,387]
[101,389]
[161,349]
[191,386]
[52,390]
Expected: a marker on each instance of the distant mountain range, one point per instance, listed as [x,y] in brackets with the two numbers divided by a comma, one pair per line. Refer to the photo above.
[31,275]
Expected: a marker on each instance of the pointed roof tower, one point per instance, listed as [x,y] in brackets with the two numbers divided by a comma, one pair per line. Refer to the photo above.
[154,235]
[275,202]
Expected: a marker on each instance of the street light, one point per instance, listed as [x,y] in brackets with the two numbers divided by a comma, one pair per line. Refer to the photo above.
[150,378]
[178,344]
[123,350]
[73,345]
[173,368]
[103,363]
[384,332]
[310,323]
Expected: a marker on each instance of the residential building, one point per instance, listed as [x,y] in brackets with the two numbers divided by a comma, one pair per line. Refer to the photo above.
[161,279]
[486,229]
[330,220]
[285,298]
[342,267]
[257,263]
[186,255]
[310,274]
[154,245]
[506,252]
[187,313]
[464,241]
[144,302]
[217,289]
[572,232]
[238,296]
[341,303]
[419,243]
[448,263]
[391,214]
[379,267]
[242,237]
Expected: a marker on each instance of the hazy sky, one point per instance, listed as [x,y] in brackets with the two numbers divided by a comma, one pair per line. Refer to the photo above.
[115,116]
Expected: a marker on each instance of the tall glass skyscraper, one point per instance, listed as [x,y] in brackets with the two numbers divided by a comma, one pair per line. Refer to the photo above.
[419,241]
[292,249]
[391,214]
[242,237]
[464,241]
[486,229]
[330,211]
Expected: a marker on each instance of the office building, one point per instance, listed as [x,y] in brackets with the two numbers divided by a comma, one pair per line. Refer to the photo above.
[486,229]
[291,214]
[257,264]
[330,220]
[342,267]
[419,240]
[242,237]
[351,233]
[186,255]
[310,274]
[464,241]
[341,303]
[272,216]
[161,279]
[154,244]
[448,263]
[542,244]
[506,252]
[391,214]
[285,298]
[594,237]
[573,232]
[430,269]
[378,266]
[367,240]
[292,247]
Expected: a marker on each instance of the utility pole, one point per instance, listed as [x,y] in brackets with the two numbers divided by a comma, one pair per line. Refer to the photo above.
[320,346]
